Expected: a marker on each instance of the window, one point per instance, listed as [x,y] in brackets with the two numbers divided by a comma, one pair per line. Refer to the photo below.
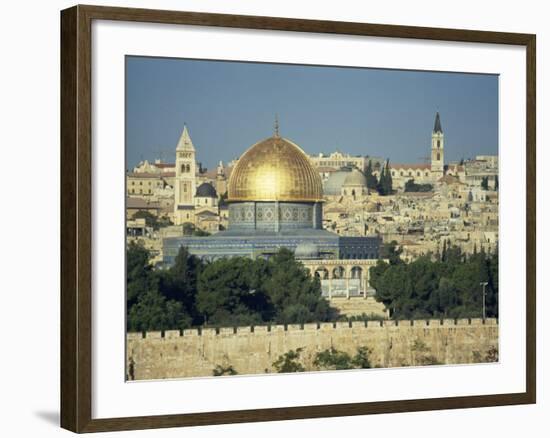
[438,144]
[438,156]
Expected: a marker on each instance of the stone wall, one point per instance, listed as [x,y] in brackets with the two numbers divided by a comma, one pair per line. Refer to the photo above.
[357,306]
[252,350]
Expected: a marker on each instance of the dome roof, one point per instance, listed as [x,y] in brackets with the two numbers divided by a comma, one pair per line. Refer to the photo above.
[334,183]
[206,190]
[274,169]
[355,178]
[306,251]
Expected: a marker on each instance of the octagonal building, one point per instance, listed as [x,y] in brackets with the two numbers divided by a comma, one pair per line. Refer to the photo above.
[275,198]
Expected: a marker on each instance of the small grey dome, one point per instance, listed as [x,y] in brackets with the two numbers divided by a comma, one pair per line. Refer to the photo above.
[333,185]
[206,190]
[355,178]
[306,250]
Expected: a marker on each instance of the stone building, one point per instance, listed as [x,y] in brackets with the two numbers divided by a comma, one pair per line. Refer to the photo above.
[185,184]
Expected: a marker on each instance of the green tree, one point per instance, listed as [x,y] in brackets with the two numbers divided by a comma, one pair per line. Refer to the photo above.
[179,282]
[150,218]
[153,312]
[427,288]
[222,200]
[411,186]
[224,371]
[385,182]
[485,183]
[294,293]
[189,229]
[289,362]
[372,182]
[422,354]
[139,274]
[230,292]
[362,358]
[333,359]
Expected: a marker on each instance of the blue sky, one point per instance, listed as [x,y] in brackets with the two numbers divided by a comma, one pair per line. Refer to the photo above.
[228,106]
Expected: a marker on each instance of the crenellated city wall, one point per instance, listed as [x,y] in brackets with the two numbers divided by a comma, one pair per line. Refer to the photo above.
[252,350]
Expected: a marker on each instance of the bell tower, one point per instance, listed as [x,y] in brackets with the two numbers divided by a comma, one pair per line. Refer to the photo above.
[438,143]
[185,179]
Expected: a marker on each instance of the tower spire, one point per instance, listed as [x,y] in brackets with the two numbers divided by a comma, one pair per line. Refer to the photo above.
[276,127]
[185,143]
[437,124]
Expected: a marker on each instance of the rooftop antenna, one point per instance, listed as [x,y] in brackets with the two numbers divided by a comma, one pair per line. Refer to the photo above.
[276,125]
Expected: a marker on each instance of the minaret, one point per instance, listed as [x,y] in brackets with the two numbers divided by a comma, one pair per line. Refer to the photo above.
[185,180]
[221,180]
[438,142]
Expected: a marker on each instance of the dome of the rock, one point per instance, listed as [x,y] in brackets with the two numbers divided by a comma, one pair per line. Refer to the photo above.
[275,169]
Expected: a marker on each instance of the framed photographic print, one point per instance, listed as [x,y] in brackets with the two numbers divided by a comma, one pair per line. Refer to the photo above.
[269,218]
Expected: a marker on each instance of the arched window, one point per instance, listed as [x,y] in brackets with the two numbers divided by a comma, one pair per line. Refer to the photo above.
[338,272]
[438,156]
[356,272]
[438,144]
[321,273]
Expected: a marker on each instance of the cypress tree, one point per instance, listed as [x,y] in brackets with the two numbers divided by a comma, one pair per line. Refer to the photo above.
[371,179]
[389,181]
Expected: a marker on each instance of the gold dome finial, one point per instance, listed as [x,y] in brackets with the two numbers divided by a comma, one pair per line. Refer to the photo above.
[276,125]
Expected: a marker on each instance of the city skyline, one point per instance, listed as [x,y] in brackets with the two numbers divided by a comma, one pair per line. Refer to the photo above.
[228,106]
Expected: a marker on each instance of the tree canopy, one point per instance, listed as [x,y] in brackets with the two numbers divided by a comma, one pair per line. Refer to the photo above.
[445,287]
[385,182]
[226,292]
[152,220]
[411,186]
[372,181]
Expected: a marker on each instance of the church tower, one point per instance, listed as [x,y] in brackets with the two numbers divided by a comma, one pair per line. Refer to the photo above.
[185,180]
[438,143]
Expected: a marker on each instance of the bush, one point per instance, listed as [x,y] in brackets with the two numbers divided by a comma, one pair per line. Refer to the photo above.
[289,362]
[224,371]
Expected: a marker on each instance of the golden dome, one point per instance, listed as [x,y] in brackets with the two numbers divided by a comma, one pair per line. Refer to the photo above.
[274,169]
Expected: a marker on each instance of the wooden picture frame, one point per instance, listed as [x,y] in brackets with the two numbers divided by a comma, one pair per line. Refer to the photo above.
[76,217]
